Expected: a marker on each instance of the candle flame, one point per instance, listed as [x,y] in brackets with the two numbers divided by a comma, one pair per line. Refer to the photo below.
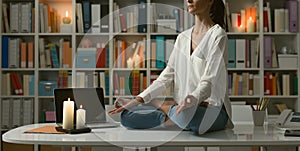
[69,99]
[250,18]
[80,106]
[67,14]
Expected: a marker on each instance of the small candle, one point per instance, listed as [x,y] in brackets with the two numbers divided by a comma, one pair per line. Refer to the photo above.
[137,60]
[68,114]
[129,63]
[240,29]
[66,19]
[250,25]
[80,118]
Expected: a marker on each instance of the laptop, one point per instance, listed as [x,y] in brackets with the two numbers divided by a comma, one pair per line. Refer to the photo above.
[92,100]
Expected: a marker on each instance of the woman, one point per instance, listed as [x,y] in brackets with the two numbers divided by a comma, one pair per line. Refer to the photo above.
[198,70]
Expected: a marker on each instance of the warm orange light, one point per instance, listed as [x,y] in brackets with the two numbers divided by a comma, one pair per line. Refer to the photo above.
[67,14]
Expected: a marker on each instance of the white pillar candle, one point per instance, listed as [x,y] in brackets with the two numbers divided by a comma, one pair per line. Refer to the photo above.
[250,25]
[80,118]
[129,63]
[68,114]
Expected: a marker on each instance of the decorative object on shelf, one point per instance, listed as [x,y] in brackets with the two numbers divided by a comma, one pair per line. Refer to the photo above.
[68,114]
[80,118]
[66,27]
[250,25]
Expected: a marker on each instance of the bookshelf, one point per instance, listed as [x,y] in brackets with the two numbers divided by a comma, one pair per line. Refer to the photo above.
[73,38]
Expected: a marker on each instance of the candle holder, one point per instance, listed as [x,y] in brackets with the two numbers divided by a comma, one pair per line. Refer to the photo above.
[66,26]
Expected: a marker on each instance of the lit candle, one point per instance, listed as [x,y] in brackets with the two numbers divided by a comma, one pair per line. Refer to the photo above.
[80,118]
[137,60]
[66,19]
[129,63]
[240,29]
[250,25]
[68,114]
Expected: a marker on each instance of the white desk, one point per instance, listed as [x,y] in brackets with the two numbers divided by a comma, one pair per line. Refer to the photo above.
[241,135]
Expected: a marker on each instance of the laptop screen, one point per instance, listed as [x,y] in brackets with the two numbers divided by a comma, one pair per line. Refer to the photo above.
[92,100]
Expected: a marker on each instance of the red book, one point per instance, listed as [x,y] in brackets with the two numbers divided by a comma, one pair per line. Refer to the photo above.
[266,25]
[101,51]
[19,85]
[123,23]
[14,83]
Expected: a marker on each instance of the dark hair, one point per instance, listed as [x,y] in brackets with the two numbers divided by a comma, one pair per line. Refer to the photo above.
[217,12]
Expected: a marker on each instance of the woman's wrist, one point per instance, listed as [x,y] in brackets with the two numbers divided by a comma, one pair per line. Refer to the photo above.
[139,99]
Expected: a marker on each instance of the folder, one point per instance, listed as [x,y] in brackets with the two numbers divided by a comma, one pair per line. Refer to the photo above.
[240,53]
[231,53]
[95,18]
[142,19]
[267,51]
[292,6]
[160,51]
[86,13]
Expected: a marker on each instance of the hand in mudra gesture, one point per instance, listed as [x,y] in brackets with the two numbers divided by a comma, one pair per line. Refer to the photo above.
[121,104]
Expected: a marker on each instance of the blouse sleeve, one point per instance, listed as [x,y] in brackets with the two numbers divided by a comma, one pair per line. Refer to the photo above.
[164,80]
[214,73]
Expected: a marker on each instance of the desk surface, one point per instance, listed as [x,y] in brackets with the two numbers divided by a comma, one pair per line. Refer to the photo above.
[242,135]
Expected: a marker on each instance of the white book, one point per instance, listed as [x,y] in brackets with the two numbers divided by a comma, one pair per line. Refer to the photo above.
[42,53]
[25,17]
[16,112]
[96,18]
[5,112]
[102,81]
[14,52]
[48,57]
[26,84]
[279,20]
[80,79]
[42,18]
[5,17]
[79,17]
[46,27]
[117,24]
[14,17]
[286,20]
[256,84]
[169,48]
[240,53]
[5,85]
[27,111]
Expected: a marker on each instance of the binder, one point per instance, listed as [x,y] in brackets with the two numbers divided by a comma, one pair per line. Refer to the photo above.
[267,51]
[23,55]
[231,53]
[292,6]
[142,19]
[95,18]
[25,17]
[14,17]
[86,13]
[30,55]
[160,51]
[5,40]
[104,26]
[240,53]
[16,112]
[5,113]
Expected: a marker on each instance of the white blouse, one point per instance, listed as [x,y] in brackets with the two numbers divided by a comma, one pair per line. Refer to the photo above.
[202,74]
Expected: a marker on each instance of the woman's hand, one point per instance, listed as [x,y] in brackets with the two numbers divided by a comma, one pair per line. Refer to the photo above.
[188,102]
[121,104]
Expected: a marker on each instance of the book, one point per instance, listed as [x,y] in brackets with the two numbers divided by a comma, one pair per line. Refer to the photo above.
[96,18]
[5,17]
[292,6]
[104,26]
[142,16]
[25,17]
[267,51]
[86,14]
[5,48]
[79,19]
[160,51]
[23,55]
[240,53]
[30,56]
[14,17]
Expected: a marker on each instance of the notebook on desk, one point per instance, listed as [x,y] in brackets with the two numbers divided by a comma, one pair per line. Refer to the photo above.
[92,100]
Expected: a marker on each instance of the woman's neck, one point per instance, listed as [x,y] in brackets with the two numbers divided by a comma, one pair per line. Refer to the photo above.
[202,23]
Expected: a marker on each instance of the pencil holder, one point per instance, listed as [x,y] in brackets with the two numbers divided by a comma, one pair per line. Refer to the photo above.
[258,117]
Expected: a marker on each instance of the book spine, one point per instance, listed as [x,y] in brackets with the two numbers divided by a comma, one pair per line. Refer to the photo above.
[86,13]
[142,16]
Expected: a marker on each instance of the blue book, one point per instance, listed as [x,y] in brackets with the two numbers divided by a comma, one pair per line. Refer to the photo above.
[160,51]
[231,53]
[86,15]
[4,52]
[107,83]
[54,57]
[142,20]
[31,85]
